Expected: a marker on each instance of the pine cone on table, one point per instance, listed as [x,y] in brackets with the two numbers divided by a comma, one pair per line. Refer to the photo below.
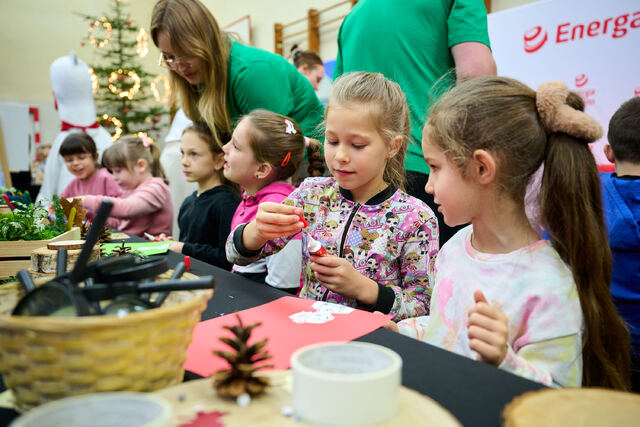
[240,377]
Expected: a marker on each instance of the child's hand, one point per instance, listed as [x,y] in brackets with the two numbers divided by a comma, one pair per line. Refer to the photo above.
[163,237]
[488,331]
[390,325]
[339,276]
[272,220]
[176,247]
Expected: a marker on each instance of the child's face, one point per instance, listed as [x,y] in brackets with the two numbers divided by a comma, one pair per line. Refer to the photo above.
[355,152]
[455,195]
[240,164]
[199,164]
[126,179]
[81,165]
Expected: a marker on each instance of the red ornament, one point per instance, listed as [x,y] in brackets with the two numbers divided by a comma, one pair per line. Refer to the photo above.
[126,110]
[142,91]
[128,22]
[81,43]
[91,24]
[122,77]
[159,116]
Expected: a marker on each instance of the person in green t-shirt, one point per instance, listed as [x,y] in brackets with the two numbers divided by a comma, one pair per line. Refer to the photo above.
[220,80]
[415,43]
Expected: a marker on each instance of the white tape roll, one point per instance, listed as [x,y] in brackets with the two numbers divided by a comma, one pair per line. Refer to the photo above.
[350,383]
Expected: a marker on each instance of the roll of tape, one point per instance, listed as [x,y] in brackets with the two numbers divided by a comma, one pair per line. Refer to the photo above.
[350,383]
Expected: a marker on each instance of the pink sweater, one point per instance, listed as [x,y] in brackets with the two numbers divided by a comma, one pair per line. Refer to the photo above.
[101,183]
[147,208]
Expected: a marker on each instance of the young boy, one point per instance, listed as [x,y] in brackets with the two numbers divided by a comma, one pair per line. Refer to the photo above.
[621,197]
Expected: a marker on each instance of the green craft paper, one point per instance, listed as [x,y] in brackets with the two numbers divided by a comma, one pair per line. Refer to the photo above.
[146,248]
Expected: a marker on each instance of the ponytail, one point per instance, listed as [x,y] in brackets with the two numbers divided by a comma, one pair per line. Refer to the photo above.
[128,150]
[572,213]
[315,158]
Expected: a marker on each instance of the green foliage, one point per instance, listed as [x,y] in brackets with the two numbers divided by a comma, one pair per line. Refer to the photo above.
[32,223]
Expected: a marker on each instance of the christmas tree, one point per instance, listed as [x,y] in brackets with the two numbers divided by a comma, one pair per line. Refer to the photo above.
[123,91]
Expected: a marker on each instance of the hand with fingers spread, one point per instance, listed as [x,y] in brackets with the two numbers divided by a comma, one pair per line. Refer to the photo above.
[488,329]
[273,220]
[339,276]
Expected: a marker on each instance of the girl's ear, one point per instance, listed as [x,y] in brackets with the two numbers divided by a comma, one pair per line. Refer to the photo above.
[394,146]
[263,170]
[483,166]
[218,161]
[141,166]
[95,157]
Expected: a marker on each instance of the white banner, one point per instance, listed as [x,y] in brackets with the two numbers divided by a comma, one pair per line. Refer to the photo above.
[591,45]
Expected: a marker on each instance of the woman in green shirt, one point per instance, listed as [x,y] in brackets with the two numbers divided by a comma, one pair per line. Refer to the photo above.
[218,79]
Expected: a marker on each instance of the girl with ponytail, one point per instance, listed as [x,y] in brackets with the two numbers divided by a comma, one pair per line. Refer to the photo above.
[540,309]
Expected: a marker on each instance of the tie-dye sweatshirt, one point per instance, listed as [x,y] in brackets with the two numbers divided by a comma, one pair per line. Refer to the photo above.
[531,285]
[391,239]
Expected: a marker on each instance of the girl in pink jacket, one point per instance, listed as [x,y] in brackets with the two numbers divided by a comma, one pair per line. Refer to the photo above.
[145,206]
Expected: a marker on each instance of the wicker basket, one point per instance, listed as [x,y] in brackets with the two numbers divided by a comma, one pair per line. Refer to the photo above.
[46,358]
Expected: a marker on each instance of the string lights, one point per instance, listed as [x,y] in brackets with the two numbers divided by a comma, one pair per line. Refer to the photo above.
[116,123]
[141,134]
[142,43]
[102,22]
[120,74]
[94,81]
[166,88]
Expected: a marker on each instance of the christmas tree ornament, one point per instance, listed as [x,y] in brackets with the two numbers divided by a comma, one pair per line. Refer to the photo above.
[94,80]
[102,22]
[142,43]
[120,74]
[166,88]
[113,121]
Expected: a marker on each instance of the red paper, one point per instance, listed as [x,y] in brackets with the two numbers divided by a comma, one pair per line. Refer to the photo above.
[206,419]
[285,336]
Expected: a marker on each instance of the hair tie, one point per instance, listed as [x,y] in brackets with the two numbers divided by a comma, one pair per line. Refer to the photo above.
[145,141]
[286,159]
[557,116]
[290,129]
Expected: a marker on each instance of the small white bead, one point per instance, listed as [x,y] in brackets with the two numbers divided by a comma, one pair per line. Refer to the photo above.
[287,411]
[243,400]
[198,408]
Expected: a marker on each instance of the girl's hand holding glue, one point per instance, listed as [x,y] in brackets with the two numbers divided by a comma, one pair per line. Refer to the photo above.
[152,237]
[315,247]
[273,220]
[488,329]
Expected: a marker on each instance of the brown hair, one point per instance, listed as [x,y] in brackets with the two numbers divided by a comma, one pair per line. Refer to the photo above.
[624,132]
[386,104]
[499,115]
[270,143]
[78,143]
[194,33]
[203,131]
[128,150]
[305,57]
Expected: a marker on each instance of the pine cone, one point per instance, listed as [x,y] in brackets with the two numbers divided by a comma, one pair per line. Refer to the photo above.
[240,377]
[121,250]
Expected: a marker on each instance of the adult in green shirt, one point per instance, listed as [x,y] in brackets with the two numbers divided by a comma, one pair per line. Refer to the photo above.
[415,43]
[219,80]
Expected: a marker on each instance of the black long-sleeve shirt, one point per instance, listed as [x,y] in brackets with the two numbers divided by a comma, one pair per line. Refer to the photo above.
[205,224]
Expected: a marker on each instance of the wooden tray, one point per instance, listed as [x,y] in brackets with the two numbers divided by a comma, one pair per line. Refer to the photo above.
[16,255]
[413,407]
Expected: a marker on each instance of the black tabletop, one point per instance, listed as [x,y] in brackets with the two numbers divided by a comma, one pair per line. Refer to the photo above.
[475,393]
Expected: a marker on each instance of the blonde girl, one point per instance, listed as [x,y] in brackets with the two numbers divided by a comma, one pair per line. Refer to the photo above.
[145,206]
[367,131]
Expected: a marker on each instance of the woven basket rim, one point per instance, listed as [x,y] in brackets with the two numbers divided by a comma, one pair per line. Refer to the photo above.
[66,324]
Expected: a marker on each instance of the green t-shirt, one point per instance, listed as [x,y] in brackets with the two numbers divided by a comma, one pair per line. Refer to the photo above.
[409,41]
[261,79]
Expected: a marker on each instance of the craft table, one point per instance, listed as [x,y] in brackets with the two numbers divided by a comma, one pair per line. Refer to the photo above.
[475,393]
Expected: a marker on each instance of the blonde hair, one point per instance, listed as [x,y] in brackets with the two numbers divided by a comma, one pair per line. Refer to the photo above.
[203,132]
[194,33]
[128,150]
[386,104]
[500,115]
[270,143]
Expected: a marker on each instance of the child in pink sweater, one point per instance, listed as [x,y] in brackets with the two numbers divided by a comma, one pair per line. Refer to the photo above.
[81,159]
[145,206]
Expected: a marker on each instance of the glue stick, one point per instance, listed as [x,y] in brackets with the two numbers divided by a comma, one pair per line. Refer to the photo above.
[315,247]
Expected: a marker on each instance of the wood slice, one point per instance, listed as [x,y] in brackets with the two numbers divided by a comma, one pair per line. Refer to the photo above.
[573,406]
[43,260]
[413,408]
[67,244]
